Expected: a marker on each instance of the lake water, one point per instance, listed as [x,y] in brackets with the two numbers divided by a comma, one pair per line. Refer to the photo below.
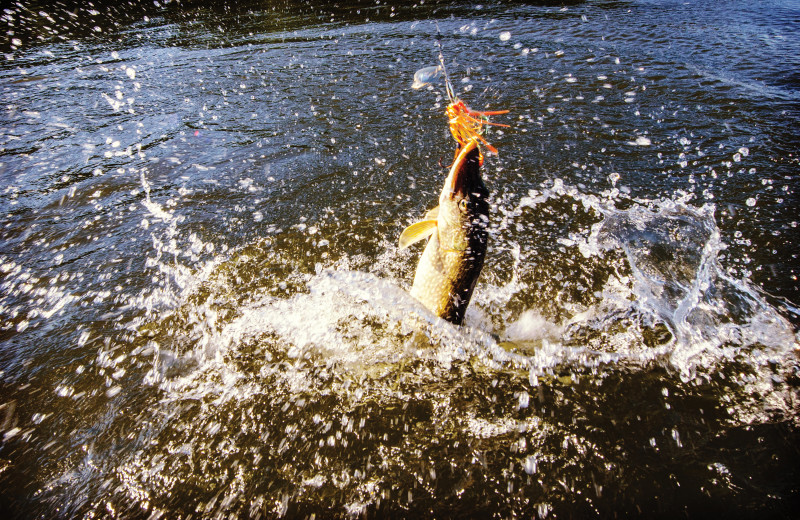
[204,311]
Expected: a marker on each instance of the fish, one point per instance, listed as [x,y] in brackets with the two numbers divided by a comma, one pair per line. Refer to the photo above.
[457,233]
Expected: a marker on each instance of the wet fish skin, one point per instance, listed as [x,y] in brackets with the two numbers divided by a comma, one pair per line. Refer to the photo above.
[454,255]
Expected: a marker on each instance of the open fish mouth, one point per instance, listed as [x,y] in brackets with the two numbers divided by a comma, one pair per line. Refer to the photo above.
[465,172]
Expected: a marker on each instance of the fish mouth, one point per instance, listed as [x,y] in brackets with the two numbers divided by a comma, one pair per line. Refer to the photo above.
[465,174]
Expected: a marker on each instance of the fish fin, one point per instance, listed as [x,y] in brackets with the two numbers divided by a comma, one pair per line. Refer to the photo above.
[432,214]
[416,232]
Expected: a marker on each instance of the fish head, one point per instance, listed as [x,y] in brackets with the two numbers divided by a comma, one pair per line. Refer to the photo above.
[464,203]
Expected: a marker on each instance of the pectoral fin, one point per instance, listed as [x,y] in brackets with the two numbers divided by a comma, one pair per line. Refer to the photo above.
[416,232]
[432,214]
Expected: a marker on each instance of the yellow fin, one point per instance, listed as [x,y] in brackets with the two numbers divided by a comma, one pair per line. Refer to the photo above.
[416,232]
[432,214]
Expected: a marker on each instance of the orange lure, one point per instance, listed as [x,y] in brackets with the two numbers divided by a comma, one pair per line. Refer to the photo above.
[467,124]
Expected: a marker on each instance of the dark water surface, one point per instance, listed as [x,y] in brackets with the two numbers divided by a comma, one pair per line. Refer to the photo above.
[204,310]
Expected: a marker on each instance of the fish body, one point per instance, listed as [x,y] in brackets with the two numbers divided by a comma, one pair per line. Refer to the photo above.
[457,239]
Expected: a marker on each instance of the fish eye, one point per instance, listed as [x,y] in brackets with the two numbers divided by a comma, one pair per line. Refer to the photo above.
[463,205]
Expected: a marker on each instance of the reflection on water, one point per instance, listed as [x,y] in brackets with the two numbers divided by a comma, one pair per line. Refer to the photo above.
[205,313]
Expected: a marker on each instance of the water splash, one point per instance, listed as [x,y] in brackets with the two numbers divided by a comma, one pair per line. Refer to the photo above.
[673,253]
[229,392]
[668,299]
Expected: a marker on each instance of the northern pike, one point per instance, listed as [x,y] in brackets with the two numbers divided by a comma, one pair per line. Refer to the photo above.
[457,234]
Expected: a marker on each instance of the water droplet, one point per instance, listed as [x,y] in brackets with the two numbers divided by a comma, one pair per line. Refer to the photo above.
[640,141]
[505,36]
[530,465]
[751,202]
[676,436]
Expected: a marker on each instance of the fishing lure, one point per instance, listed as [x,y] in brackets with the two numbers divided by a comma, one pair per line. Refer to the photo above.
[426,76]
[466,124]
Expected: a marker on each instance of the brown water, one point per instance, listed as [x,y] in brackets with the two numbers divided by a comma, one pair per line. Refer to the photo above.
[204,312]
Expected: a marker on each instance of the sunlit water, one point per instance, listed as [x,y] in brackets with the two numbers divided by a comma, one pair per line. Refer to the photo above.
[205,312]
